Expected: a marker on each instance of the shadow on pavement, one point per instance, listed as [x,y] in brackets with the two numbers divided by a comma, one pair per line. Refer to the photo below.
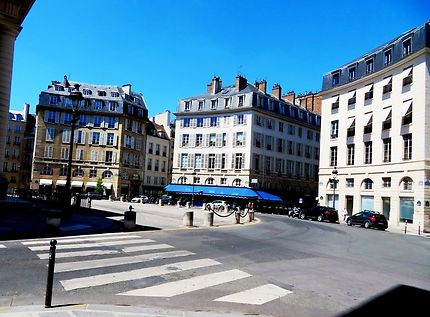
[28,220]
[401,300]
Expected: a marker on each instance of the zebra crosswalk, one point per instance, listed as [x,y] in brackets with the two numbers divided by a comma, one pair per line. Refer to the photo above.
[81,260]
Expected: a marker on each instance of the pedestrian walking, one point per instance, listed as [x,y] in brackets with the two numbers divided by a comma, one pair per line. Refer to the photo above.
[89,201]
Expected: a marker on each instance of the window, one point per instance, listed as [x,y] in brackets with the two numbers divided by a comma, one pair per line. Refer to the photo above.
[386,182]
[83,120]
[270,124]
[386,124]
[48,151]
[199,139]
[214,121]
[47,170]
[388,87]
[368,126]
[368,183]
[387,57]
[334,129]
[97,121]
[164,153]
[240,119]
[113,105]
[350,131]
[387,150]
[63,171]
[211,161]
[238,160]
[17,140]
[187,122]
[350,182]
[187,105]
[110,139]
[351,73]
[368,152]
[78,172]
[64,153]
[157,149]
[107,174]
[150,147]
[184,161]
[269,142]
[66,136]
[369,66]
[333,156]
[224,139]
[199,122]
[281,127]
[80,154]
[94,156]
[54,100]
[241,100]
[239,139]
[214,104]
[223,160]
[407,47]
[299,149]
[407,183]
[335,79]
[201,104]
[149,165]
[408,79]
[369,94]
[96,138]
[310,135]
[198,161]
[114,94]
[111,121]
[351,154]
[291,129]
[352,100]
[290,147]
[237,182]
[335,104]
[407,146]
[86,92]
[227,103]
[185,139]
[50,134]
[257,140]
[98,104]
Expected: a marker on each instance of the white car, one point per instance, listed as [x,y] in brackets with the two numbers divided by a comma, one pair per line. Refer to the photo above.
[140,199]
[217,205]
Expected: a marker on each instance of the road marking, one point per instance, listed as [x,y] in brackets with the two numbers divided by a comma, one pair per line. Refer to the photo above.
[88,239]
[103,279]
[43,241]
[146,247]
[91,245]
[256,296]
[58,255]
[188,285]
[91,264]
[2,246]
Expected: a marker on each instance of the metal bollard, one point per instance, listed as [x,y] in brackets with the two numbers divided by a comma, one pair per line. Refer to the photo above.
[237,216]
[251,215]
[130,219]
[50,279]
[406,225]
[210,219]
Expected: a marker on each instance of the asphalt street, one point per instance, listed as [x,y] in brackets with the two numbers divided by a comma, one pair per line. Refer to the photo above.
[278,266]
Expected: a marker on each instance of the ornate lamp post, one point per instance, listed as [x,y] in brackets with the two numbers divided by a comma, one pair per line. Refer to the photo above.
[334,182]
[76,97]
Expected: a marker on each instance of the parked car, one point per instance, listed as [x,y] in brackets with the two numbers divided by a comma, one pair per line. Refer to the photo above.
[166,199]
[140,199]
[320,213]
[217,205]
[368,219]
[93,195]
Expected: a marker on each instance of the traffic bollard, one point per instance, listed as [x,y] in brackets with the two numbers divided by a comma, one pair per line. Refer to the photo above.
[251,215]
[237,216]
[209,219]
[406,225]
[50,279]
[130,219]
[188,219]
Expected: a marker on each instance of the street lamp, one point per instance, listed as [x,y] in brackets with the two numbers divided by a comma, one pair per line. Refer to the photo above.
[334,182]
[76,97]
[192,197]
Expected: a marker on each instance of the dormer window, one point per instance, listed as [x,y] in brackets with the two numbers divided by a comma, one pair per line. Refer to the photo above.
[227,103]
[407,47]
[59,88]
[86,92]
[387,57]
[241,100]
[102,93]
[114,94]
[214,104]
[201,104]
[187,106]
[351,73]
[369,66]
[335,79]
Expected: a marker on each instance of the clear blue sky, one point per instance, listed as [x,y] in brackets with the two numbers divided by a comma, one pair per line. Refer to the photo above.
[170,49]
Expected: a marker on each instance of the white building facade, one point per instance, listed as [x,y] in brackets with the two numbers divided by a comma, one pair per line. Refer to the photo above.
[241,136]
[375,132]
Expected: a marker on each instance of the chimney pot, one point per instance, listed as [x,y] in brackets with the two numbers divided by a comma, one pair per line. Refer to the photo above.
[276,91]
[241,83]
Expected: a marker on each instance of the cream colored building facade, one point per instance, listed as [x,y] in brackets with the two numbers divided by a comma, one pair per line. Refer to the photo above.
[375,131]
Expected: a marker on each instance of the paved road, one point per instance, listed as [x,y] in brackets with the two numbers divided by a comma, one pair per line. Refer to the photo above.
[279,267]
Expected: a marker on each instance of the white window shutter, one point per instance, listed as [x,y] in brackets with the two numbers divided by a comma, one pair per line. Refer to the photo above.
[180,140]
[206,140]
[234,139]
[84,134]
[191,160]
[179,161]
[244,139]
[104,156]
[244,119]
[235,120]
[193,123]
[206,122]
[114,157]
[218,161]
[115,140]
[219,139]
[243,160]
[232,160]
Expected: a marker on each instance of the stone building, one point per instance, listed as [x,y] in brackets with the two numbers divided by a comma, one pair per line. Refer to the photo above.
[240,135]
[109,141]
[375,132]
[19,149]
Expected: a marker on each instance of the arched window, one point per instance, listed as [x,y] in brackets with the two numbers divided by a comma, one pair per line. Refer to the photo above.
[182,180]
[367,184]
[237,182]
[407,183]
[78,172]
[107,174]
[210,181]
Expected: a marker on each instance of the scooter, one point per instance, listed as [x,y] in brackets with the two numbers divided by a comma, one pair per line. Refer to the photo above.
[294,212]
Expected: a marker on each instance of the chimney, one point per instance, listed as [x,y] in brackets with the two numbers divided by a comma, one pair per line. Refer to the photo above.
[261,86]
[26,111]
[241,82]
[215,86]
[276,91]
[127,88]
[290,97]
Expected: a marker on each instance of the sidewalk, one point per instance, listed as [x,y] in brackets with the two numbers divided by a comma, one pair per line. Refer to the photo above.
[106,311]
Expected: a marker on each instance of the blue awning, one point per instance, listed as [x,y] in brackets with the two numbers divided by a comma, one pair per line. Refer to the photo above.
[221,191]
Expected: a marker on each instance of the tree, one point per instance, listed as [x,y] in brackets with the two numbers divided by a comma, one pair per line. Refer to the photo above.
[99,187]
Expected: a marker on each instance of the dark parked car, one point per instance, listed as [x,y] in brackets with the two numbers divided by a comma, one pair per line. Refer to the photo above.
[320,213]
[93,195]
[368,219]
[167,200]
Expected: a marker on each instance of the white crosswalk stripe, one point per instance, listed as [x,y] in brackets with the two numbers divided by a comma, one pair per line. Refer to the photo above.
[256,296]
[2,246]
[188,285]
[59,255]
[103,279]
[87,237]
[91,264]
[81,239]
[148,247]
[91,245]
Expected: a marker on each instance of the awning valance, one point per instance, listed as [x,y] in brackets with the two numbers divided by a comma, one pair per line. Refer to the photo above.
[107,185]
[45,182]
[91,184]
[61,182]
[221,191]
[77,183]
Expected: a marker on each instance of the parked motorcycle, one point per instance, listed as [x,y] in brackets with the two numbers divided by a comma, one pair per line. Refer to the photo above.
[294,212]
